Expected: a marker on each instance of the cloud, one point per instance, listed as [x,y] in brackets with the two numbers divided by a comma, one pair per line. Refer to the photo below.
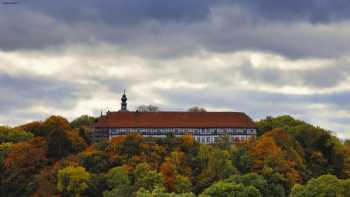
[261,57]
[179,28]
[120,12]
[312,78]
[315,11]
[27,96]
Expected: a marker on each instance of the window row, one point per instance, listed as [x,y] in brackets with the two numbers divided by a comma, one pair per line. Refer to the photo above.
[180,131]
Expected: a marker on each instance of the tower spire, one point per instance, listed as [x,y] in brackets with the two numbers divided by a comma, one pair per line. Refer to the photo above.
[124,102]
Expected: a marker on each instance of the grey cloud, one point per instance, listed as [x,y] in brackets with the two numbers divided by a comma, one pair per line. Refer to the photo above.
[326,77]
[162,30]
[256,103]
[338,100]
[23,29]
[157,32]
[21,92]
[315,11]
[135,11]
[259,104]
[120,12]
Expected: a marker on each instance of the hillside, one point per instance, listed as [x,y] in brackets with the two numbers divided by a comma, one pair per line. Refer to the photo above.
[56,158]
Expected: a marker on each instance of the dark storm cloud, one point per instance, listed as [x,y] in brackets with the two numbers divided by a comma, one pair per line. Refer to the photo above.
[135,11]
[158,36]
[37,24]
[20,92]
[123,11]
[314,11]
[168,29]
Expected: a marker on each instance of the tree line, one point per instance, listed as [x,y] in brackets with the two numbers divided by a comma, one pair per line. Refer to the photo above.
[289,157]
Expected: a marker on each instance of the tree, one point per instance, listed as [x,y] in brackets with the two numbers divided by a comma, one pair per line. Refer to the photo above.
[215,164]
[33,127]
[182,184]
[4,150]
[23,160]
[147,108]
[197,109]
[46,181]
[118,182]
[278,150]
[73,181]
[241,158]
[98,184]
[130,146]
[224,142]
[83,121]
[168,171]
[277,186]
[323,152]
[13,135]
[59,144]
[53,123]
[160,192]
[226,189]
[251,179]
[84,125]
[324,186]
[96,161]
[62,142]
[147,178]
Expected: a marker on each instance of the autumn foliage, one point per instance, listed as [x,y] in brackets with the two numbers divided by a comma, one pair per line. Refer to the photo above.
[57,158]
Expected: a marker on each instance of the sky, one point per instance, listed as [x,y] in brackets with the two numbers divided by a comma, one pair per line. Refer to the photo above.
[265,58]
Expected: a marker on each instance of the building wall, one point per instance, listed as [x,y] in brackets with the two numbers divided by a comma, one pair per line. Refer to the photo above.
[202,135]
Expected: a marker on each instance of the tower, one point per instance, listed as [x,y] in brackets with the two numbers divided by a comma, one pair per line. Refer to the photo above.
[124,103]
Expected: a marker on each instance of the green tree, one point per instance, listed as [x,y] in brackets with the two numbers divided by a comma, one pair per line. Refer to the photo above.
[226,189]
[224,142]
[276,182]
[215,164]
[323,186]
[4,149]
[160,192]
[119,183]
[83,121]
[96,161]
[13,135]
[182,184]
[147,178]
[97,185]
[251,179]
[147,108]
[197,109]
[73,181]
[59,145]
[241,159]
[131,145]
[84,125]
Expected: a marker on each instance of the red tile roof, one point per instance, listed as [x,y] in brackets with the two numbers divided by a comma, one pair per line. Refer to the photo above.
[175,120]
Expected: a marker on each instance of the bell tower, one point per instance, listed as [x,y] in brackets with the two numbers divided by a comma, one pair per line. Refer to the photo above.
[124,103]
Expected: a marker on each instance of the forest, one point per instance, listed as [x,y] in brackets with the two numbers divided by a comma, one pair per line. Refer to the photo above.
[56,157]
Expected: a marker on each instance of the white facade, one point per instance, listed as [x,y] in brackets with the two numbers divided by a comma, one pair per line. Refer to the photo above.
[202,135]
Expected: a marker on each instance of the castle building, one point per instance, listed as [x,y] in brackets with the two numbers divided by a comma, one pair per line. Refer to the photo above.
[205,127]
